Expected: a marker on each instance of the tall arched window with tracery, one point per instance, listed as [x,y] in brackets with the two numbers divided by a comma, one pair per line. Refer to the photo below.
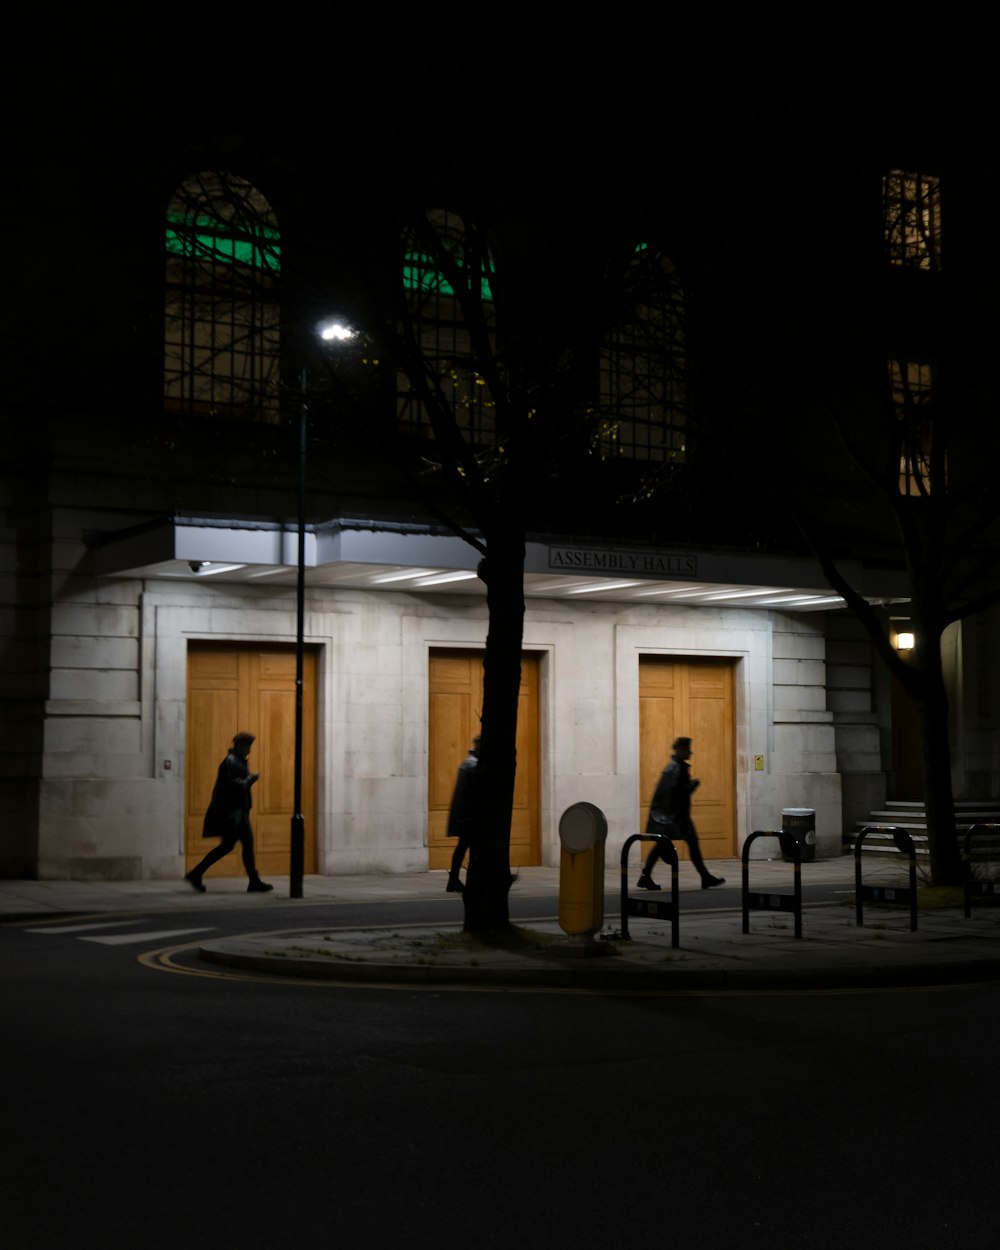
[643,393]
[221,335]
[449,303]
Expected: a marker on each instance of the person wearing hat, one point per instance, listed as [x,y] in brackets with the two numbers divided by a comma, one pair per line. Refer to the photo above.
[228,816]
[670,813]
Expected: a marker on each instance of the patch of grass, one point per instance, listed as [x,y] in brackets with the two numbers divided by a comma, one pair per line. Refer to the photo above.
[514,938]
[931,897]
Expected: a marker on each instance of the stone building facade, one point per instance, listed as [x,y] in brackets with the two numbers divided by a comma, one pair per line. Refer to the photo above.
[149,566]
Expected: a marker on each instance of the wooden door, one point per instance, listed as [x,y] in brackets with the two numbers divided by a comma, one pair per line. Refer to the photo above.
[907,766]
[230,689]
[455,704]
[691,699]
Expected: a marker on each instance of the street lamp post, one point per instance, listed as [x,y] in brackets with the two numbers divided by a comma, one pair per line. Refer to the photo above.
[298,831]
[330,332]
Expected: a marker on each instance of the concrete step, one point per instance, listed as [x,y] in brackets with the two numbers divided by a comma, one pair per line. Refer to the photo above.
[917,817]
[963,807]
[911,817]
[901,820]
[885,849]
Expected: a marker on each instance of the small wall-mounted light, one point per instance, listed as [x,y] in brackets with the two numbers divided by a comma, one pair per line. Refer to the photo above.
[905,642]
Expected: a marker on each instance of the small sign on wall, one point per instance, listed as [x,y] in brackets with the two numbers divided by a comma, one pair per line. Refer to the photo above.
[758,763]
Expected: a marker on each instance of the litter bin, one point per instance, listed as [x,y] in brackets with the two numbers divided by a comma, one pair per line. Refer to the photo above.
[583,831]
[800,822]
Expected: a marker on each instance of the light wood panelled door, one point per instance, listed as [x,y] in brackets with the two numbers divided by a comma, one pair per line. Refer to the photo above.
[456,701]
[691,699]
[230,689]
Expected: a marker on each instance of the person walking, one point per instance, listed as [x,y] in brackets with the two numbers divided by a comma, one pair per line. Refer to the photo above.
[228,816]
[461,815]
[670,813]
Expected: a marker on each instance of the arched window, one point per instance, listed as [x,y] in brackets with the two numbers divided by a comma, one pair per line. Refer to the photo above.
[643,396]
[222,319]
[449,301]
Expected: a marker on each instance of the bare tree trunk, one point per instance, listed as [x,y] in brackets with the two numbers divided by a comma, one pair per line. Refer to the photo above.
[488,877]
[924,683]
[932,698]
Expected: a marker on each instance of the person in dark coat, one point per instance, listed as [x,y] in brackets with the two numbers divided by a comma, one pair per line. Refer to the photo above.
[461,815]
[670,813]
[228,816]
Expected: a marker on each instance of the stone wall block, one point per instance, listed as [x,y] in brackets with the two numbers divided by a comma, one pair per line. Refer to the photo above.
[789,698]
[93,620]
[98,653]
[107,685]
[798,646]
[799,672]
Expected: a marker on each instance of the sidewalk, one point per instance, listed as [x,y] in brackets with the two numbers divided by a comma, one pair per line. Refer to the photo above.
[713,952]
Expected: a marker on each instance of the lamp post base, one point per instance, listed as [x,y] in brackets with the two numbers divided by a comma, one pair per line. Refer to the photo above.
[298,856]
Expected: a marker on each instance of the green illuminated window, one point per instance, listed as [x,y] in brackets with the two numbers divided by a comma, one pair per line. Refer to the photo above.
[420,274]
[223,256]
[206,239]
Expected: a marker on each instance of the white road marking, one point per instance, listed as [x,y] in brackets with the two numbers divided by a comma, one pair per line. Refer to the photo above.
[121,939]
[83,928]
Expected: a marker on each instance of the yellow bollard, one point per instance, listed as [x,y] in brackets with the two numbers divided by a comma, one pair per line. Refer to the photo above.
[583,831]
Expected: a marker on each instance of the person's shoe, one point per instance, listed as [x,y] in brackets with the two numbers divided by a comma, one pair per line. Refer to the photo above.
[194,882]
[454,885]
[259,887]
[709,881]
[646,882]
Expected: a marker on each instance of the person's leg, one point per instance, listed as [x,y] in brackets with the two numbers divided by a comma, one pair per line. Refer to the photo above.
[214,855]
[255,885]
[694,848]
[246,844]
[646,881]
[454,885]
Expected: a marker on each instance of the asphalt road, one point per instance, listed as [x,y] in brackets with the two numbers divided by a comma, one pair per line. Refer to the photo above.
[144,1107]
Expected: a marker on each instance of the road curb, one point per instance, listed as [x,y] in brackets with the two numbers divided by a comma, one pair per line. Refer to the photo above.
[602,977]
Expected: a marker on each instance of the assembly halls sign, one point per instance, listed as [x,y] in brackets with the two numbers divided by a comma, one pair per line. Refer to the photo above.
[619,563]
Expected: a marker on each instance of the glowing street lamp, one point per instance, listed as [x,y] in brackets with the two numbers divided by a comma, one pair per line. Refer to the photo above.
[335,331]
[329,332]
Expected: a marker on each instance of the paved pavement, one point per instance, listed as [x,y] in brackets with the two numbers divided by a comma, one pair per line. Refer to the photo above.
[713,950]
